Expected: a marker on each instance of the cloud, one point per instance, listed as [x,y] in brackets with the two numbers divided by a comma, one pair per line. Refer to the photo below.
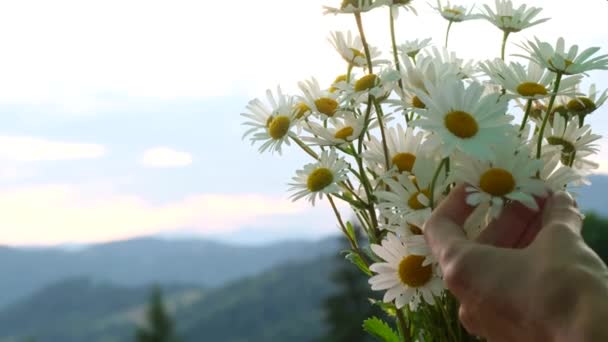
[31,149]
[165,157]
[63,213]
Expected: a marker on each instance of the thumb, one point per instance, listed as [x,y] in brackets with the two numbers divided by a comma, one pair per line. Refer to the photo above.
[561,211]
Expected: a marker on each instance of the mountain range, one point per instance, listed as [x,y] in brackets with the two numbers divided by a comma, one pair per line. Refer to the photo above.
[145,261]
[282,304]
[220,291]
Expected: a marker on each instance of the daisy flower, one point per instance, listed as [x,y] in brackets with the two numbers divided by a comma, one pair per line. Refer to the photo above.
[583,106]
[408,198]
[454,13]
[412,47]
[557,176]
[510,19]
[403,148]
[338,81]
[508,176]
[406,103]
[339,132]
[415,76]
[464,118]
[354,6]
[351,49]
[559,60]
[584,164]
[531,83]
[576,141]
[408,273]
[272,124]
[395,5]
[443,57]
[319,178]
[379,85]
[321,102]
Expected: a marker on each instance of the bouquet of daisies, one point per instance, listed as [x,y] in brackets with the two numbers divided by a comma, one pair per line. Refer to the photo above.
[394,134]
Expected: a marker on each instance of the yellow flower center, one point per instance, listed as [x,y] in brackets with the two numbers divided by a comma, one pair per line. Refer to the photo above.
[404,161]
[414,203]
[561,110]
[581,106]
[567,158]
[344,133]
[497,182]
[366,82]
[461,124]
[326,105]
[452,11]
[301,110]
[357,55]
[412,273]
[341,78]
[319,179]
[567,146]
[417,103]
[269,121]
[531,89]
[278,127]
[567,62]
[415,229]
[345,3]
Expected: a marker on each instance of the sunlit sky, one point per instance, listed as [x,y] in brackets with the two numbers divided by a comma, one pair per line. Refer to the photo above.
[120,118]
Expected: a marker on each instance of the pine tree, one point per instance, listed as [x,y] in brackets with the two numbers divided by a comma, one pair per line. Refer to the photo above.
[159,325]
[346,310]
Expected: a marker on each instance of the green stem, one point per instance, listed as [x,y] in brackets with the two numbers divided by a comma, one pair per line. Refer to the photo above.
[447,34]
[305,148]
[353,243]
[368,56]
[526,115]
[394,43]
[541,133]
[353,203]
[349,72]
[365,124]
[380,115]
[443,304]
[403,326]
[366,185]
[504,44]
[444,161]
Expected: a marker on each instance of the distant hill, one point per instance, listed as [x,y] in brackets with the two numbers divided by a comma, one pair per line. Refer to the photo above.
[145,261]
[283,304]
[80,309]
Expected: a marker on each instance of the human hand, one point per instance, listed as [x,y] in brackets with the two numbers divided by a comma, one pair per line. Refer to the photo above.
[528,277]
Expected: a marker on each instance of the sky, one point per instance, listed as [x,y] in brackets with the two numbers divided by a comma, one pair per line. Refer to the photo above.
[120,118]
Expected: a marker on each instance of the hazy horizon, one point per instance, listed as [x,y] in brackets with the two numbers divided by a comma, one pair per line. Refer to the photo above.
[133,129]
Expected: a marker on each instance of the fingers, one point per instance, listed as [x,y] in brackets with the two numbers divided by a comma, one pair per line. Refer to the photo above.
[530,233]
[515,221]
[445,225]
[447,240]
[469,321]
[561,211]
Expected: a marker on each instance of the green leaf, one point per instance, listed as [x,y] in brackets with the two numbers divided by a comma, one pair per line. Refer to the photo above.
[350,230]
[357,261]
[388,308]
[380,330]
